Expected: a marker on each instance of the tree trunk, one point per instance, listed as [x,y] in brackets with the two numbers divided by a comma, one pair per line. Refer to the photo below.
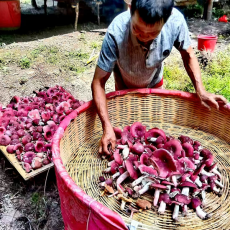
[209,10]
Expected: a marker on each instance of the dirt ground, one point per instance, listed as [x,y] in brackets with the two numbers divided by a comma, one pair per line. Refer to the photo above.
[31,204]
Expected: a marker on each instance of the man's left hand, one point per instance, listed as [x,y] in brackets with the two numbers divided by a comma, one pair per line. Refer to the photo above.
[208,100]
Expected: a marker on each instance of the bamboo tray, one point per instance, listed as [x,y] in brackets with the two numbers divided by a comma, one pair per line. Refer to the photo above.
[18,165]
[176,113]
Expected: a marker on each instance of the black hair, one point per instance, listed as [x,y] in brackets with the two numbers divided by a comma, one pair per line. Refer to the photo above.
[152,11]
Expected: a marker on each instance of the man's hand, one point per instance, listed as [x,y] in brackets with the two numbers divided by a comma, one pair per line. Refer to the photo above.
[108,140]
[208,99]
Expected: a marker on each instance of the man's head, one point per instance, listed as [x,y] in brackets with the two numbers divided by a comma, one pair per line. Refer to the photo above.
[148,17]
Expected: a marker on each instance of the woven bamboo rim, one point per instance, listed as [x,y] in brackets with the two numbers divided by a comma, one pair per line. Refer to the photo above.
[175,112]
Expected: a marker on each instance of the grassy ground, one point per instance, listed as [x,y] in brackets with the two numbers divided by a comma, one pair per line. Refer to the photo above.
[215,76]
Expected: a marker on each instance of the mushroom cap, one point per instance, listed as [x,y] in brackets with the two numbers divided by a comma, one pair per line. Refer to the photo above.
[109,181]
[159,186]
[181,164]
[144,159]
[125,137]
[212,167]
[143,204]
[203,178]
[181,198]
[213,178]
[185,139]
[165,182]
[138,148]
[196,202]
[151,147]
[193,177]
[137,130]
[205,186]
[174,147]
[114,167]
[117,132]
[147,169]
[175,190]
[117,157]
[188,149]
[165,198]
[164,162]
[198,170]
[188,184]
[155,132]
[175,174]
[109,189]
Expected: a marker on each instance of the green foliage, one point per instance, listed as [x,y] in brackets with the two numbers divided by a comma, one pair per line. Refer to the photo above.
[217,13]
[35,198]
[78,55]
[25,63]
[215,76]
[194,11]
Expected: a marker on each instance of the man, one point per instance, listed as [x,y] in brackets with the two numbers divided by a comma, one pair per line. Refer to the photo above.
[134,48]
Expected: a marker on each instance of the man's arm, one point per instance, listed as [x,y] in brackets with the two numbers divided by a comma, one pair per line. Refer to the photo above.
[98,90]
[193,69]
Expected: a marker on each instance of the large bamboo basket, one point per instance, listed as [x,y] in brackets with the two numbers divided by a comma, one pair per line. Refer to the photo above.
[78,165]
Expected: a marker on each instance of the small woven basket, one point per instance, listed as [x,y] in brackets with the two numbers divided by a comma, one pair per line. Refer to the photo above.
[78,165]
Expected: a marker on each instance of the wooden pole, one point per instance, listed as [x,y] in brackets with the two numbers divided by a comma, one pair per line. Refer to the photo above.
[77,15]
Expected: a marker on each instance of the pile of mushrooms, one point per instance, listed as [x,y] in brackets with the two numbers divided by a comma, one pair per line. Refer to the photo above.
[27,125]
[177,172]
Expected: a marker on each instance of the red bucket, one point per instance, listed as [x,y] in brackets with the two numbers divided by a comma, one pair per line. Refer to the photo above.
[10,15]
[207,42]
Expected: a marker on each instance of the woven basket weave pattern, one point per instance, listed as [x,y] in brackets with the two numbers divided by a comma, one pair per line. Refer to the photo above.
[176,116]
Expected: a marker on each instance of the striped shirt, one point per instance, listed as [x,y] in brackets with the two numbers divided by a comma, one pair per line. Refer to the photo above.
[135,66]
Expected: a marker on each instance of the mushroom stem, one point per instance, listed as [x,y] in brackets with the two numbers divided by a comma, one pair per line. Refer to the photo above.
[107,170]
[207,173]
[156,197]
[174,180]
[185,191]
[152,139]
[145,188]
[114,194]
[162,207]
[200,213]
[122,146]
[198,182]
[114,176]
[123,204]
[219,183]
[138,181]
[125,153]
[215,171]
[175,212]
[185,210]
[203,195]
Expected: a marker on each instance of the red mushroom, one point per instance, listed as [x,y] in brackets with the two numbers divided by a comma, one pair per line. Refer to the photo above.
[153,134]
[188,149]
[158,188]
[213,169]
[163,162]
[174,147]
[147,170]
[196,202]
[137,130]
[163,200]
[132,171]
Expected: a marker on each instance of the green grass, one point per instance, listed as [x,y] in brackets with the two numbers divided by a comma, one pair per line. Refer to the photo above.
[216,75]
[25,63]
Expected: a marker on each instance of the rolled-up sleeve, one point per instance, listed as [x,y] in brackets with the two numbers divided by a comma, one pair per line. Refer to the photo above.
[109,53]
[182,41]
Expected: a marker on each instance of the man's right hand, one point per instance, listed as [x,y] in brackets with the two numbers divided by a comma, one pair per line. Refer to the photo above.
[108,140]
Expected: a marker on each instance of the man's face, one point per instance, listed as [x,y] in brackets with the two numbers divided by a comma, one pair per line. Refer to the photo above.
[145,32]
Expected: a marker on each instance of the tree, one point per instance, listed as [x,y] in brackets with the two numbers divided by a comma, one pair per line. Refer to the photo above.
[208,5]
